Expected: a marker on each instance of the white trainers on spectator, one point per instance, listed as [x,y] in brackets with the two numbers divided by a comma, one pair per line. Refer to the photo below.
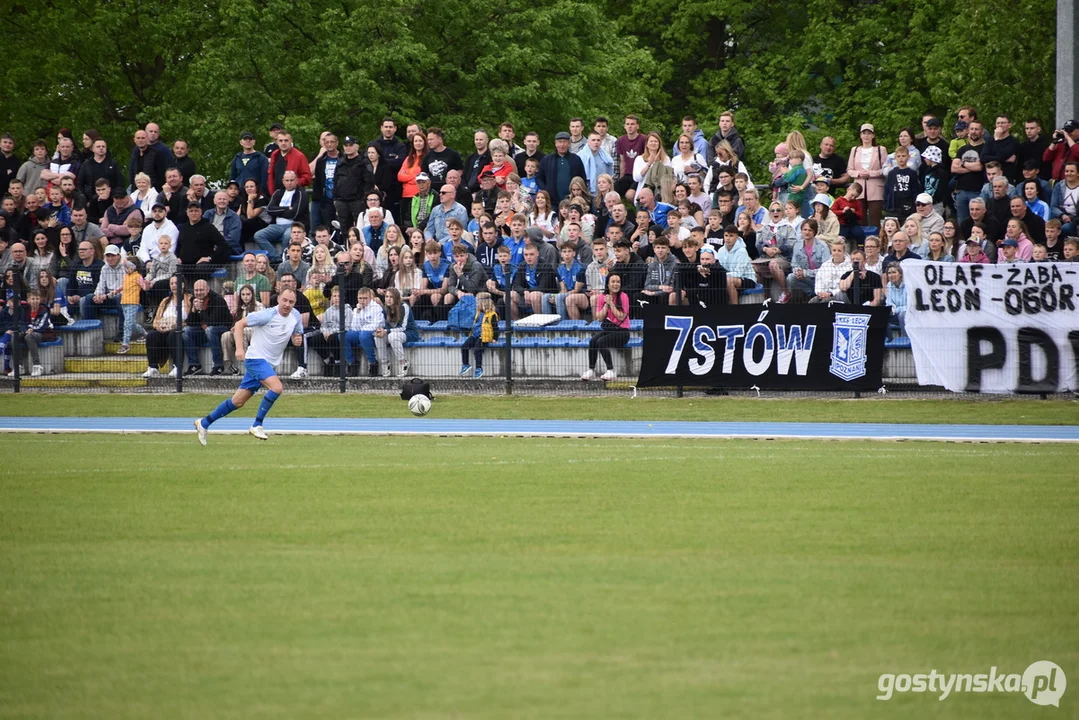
[589,374]
[257,431]
[37,371]
[151,373]
[200,430]
[609,375]
[404,367]
[300,374]
[63,311]
[172,373]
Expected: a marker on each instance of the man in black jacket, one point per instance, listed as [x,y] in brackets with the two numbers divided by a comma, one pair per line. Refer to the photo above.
[633,270]
[145,158]
[324,194]
[393,153]
[208,320]
[352,181]
[350,280]
[200,247]
[288,205]
[558,168]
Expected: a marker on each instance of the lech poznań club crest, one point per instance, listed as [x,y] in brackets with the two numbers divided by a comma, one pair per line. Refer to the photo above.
[848,346]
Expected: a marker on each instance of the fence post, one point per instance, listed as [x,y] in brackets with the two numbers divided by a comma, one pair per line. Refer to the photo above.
[507,360]
[342,371]
[178,352]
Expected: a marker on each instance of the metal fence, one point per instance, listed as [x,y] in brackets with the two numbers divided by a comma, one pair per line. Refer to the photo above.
[174,334]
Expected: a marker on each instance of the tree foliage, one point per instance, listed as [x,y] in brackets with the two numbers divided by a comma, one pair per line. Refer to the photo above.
[205,72]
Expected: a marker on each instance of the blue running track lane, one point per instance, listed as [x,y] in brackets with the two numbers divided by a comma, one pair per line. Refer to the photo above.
[554,428]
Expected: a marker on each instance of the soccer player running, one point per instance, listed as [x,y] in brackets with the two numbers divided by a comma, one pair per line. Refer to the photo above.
[273,328]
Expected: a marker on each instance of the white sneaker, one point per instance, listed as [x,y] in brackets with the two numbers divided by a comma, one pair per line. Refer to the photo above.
[201,431]
[151,373]
[609,375]
[300,374]
[63,311]
[589,374]
[37,371]
[257,431]
[172,373]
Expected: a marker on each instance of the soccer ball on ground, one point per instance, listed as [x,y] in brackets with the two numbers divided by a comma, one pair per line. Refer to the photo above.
[419,405]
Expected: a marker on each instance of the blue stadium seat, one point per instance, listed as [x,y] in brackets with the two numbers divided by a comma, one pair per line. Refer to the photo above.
[897,343]
[636,324]
[80,326]
[759,290]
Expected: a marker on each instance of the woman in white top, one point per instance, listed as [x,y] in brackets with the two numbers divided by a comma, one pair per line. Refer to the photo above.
[687,157]
[650,167]
[408,278]
[906,139]
[725,158]
[144,196]
[543,215]
[165,339]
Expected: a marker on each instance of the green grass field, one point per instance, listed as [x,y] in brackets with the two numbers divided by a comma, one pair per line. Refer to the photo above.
[316,577]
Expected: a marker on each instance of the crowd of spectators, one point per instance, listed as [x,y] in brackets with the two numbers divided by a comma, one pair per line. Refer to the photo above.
[403,227]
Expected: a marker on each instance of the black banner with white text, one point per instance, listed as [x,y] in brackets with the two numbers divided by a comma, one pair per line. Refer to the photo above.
[791,347]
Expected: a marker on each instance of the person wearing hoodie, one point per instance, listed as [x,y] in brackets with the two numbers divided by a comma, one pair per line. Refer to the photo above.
[249,164]
[727,131]
[30,172]
[660,272]
[112,223]
[734,258]
[466,275]
[700,143]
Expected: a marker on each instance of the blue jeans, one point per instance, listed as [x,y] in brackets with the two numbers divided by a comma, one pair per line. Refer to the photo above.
[270,238]
[195,337]
[366,340]
[1068,229]
[88,308]
[962,204]
[558,306]
[131,323]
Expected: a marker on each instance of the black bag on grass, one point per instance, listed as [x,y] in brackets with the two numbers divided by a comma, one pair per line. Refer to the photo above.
[415,386]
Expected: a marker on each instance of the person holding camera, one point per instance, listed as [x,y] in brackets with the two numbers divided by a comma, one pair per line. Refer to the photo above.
[1063,149]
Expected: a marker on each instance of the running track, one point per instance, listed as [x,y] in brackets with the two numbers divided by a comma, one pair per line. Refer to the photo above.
[554,428]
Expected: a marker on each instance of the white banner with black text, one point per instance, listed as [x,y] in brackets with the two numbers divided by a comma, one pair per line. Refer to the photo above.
[994,328]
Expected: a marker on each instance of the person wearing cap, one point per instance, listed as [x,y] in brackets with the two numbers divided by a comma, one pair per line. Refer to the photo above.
[112,224]
[705,284]
[249,163]
[558,168]
[1064,148]
[960,130]
[146,159]
[1031,170]
[110,285]
[275,130]
[1009,252]
[932,138]
[931,220]
[969,170]
[865,164]
[352,180]
[159,226]
[324,186]
[974,249]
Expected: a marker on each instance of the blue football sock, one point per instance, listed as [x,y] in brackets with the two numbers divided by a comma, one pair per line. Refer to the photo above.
[267,403]
[219,412]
